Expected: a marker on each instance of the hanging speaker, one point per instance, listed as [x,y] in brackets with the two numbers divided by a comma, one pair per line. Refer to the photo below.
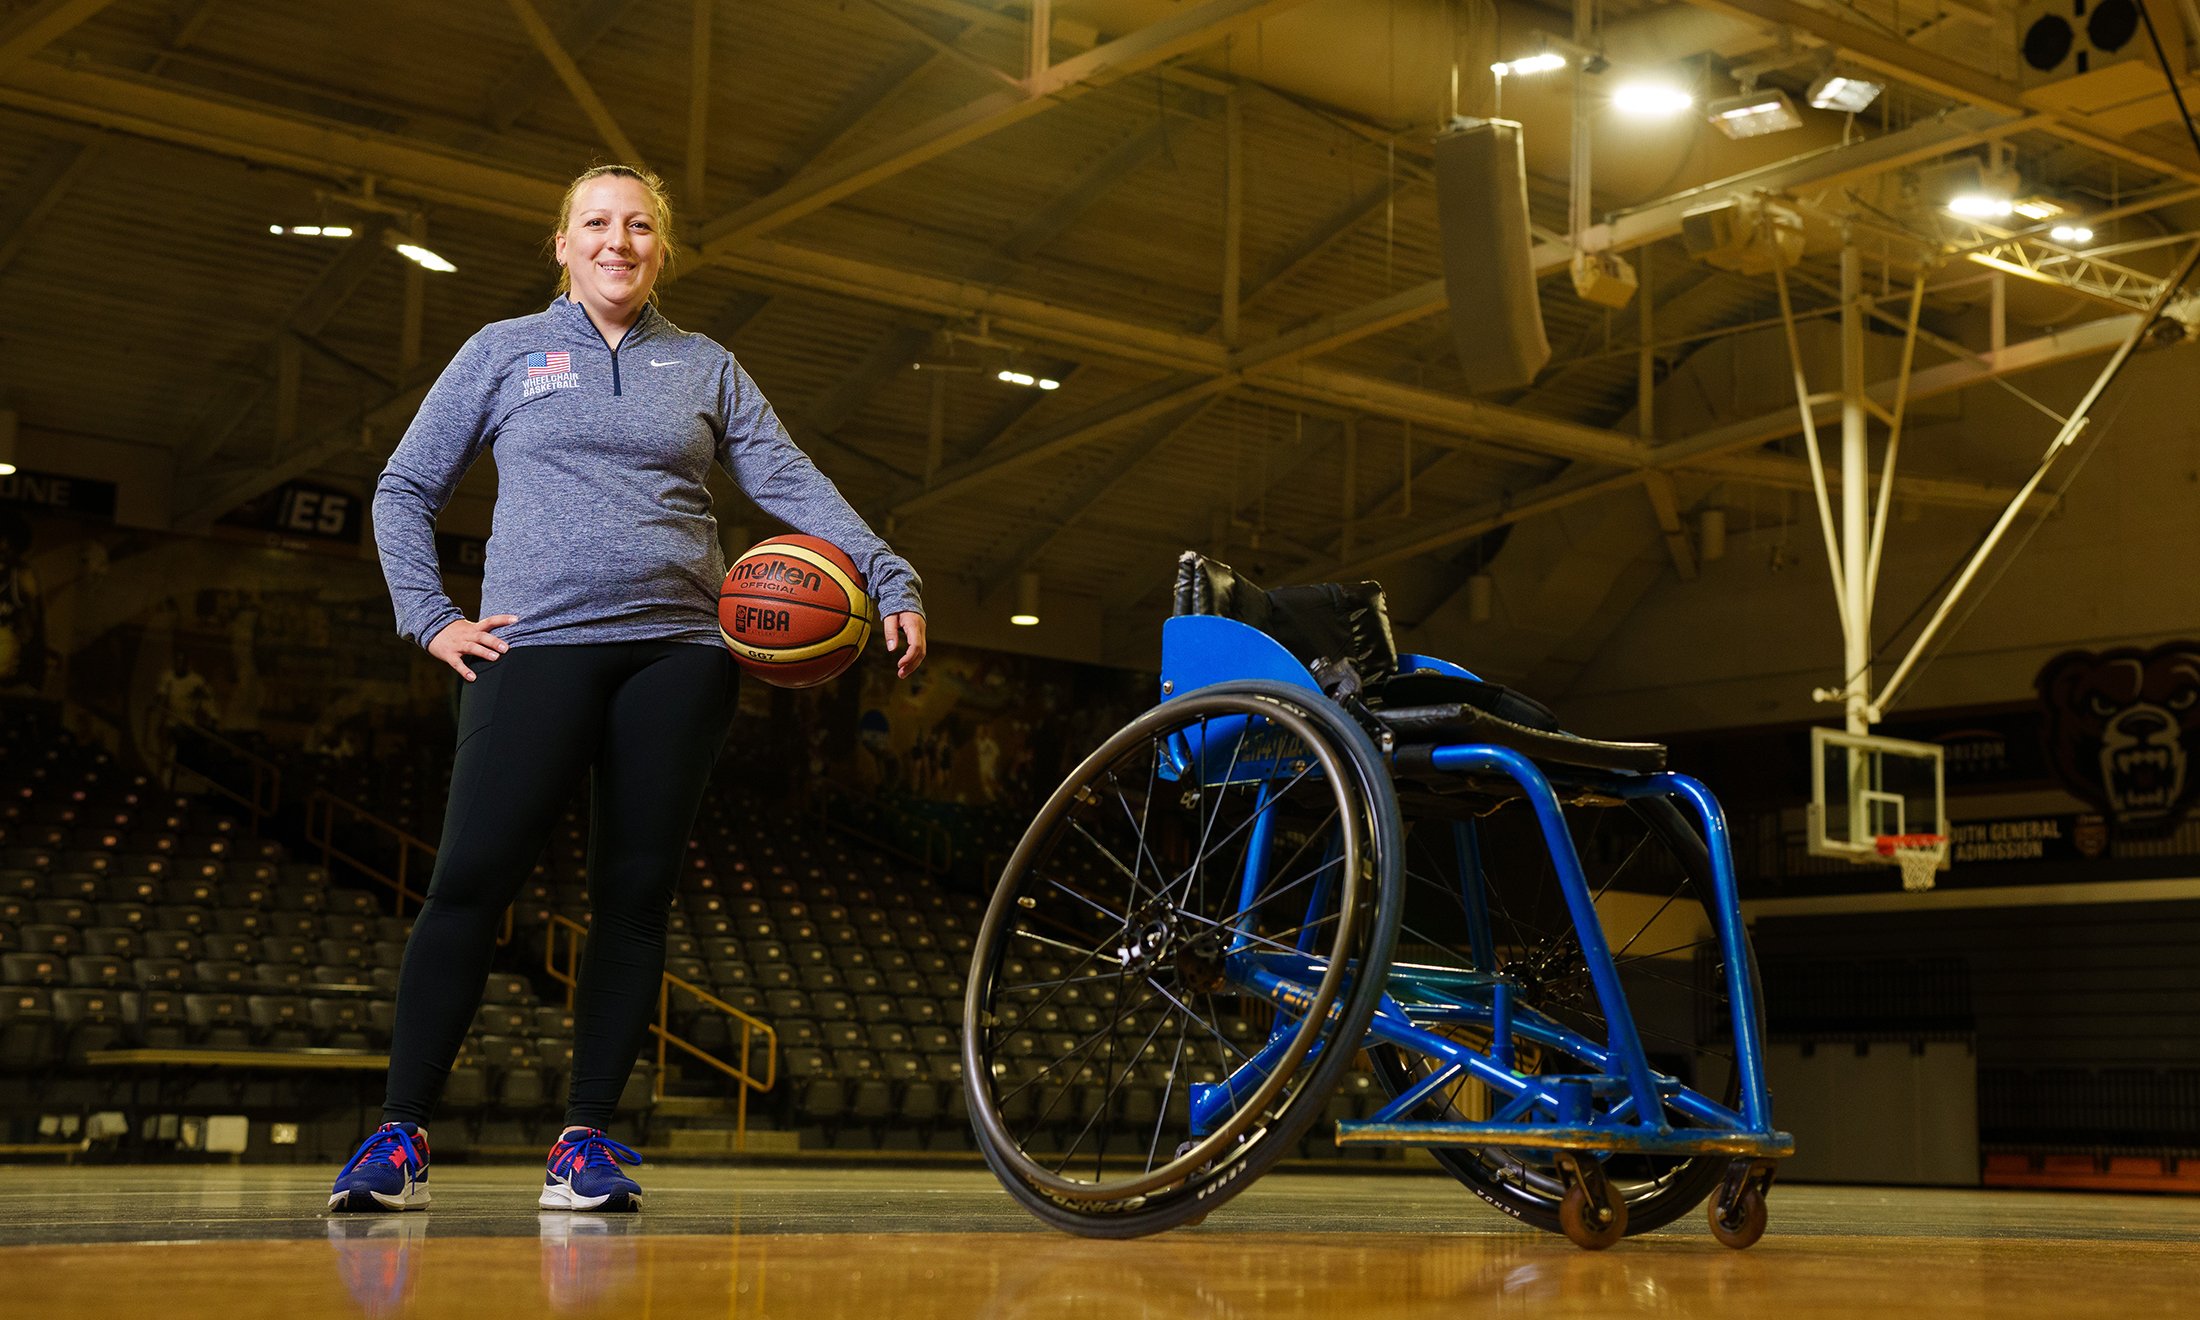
[1489,271]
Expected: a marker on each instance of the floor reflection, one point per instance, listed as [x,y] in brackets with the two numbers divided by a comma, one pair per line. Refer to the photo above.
[806,1244]
[599,1266]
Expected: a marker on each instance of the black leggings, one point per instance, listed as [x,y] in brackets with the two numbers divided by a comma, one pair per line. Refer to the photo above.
[647,718]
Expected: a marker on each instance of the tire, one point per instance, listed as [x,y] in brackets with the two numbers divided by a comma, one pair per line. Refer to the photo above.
[1656,1191]
[1127,887]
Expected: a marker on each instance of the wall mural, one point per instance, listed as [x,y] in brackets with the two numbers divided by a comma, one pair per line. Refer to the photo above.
[271,638]
[2121,727]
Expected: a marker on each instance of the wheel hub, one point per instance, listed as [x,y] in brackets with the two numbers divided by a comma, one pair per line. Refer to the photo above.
[1199,963]
[1149,939]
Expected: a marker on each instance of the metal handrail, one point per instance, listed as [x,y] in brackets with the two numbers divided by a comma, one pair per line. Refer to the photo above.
[569,977]
[320,828]
[267,777]
[321,809]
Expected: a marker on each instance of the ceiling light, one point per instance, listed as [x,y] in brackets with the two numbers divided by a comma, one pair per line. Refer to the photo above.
[1651,100]
[2071,234]
[1542,63]
[416,253]
[1980,206]
[1027,601]
[1835,91]
[312,231]
[1754,114]
[2037,208]
[1027,380]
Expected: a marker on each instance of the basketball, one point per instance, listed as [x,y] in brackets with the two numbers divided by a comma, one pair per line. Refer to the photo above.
[794,612]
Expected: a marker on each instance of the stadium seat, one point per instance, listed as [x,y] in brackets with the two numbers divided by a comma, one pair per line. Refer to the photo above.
[40,969]
[218,1021]
[46,937]
[114,942]
[339,1023]
[87,1020]
[163,974]
[172,944]
[91,971]
[279,1021]
[26,1027]
[154,1019]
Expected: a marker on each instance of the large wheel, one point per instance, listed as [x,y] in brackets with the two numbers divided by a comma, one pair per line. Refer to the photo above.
[1102,987]
[1651,876]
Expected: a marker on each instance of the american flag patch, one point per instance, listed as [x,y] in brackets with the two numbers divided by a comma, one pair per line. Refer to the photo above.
[548,364]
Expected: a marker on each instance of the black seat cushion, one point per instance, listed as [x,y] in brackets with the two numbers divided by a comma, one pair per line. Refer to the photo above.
[1432,689]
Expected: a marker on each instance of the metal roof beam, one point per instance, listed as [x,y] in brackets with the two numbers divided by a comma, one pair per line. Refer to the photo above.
[338,280]
[1094,423]
[40,26]
[890,353]
[1064,210]
[865,104]
[1154,44]
[2086,340]
[1325,236]
[44,184]
[317,149]
[554,54]
[1646,224]
[1479,520]
[1786,472]
[148,108]
[516,92]
[1072,508]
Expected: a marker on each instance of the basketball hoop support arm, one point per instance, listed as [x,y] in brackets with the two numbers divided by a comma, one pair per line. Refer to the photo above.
[2064,438]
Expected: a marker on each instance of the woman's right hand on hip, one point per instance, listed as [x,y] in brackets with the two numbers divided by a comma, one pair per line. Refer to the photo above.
[462,638]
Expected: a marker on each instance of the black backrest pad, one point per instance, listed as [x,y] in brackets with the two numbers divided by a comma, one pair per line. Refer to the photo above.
[1322,621]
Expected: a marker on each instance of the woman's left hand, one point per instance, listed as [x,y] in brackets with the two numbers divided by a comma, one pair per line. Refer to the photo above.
[905,632]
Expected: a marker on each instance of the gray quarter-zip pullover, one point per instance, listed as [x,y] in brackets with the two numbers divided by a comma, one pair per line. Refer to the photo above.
[602,530]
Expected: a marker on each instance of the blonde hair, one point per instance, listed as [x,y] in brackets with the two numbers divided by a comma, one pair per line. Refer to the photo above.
[660,213]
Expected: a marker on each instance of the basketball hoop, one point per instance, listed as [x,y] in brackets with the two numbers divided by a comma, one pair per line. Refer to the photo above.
[1919,855]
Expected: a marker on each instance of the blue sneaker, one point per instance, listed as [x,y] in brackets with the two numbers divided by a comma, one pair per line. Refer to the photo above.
[389,1171]
[584,1174]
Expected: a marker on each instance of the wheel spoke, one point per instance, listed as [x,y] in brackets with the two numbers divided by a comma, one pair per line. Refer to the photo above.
[1186,1010]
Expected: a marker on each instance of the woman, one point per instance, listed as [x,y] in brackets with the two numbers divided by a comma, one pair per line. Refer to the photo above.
[598,650]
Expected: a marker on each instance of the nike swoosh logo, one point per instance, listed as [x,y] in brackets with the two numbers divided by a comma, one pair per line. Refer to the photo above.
[674,363]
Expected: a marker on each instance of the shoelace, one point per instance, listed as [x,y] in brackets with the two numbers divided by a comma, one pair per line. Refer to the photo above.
[573,1153]
[378,1144]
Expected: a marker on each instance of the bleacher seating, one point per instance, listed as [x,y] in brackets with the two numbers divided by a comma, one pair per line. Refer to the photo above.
[135,917]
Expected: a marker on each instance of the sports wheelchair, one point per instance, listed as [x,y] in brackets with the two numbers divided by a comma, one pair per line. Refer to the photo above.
[1316,852]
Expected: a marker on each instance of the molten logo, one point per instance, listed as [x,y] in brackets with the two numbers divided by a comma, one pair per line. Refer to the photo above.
[758,571]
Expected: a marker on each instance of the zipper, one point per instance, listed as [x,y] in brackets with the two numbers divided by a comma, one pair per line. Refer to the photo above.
[624,340]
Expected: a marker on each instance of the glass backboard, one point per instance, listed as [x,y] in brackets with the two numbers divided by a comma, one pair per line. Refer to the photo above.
[1864,787]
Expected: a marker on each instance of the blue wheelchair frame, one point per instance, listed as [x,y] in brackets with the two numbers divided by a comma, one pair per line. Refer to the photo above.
[1555,1112]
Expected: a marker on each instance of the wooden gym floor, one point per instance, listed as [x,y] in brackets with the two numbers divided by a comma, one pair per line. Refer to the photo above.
[908,1244]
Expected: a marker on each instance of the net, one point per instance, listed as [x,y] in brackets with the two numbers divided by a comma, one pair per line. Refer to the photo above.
[1919,855]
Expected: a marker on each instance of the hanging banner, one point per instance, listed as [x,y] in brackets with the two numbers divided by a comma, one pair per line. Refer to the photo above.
[303,510]
[52,492]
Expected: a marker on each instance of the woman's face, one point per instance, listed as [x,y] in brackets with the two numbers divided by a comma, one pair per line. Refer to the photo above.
[610,246]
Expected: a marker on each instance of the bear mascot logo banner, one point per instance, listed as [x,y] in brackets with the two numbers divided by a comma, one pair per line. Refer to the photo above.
[2122,728]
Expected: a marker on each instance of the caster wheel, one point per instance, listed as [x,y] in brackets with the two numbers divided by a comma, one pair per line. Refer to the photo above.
[1592,1223]
[1744,1225]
